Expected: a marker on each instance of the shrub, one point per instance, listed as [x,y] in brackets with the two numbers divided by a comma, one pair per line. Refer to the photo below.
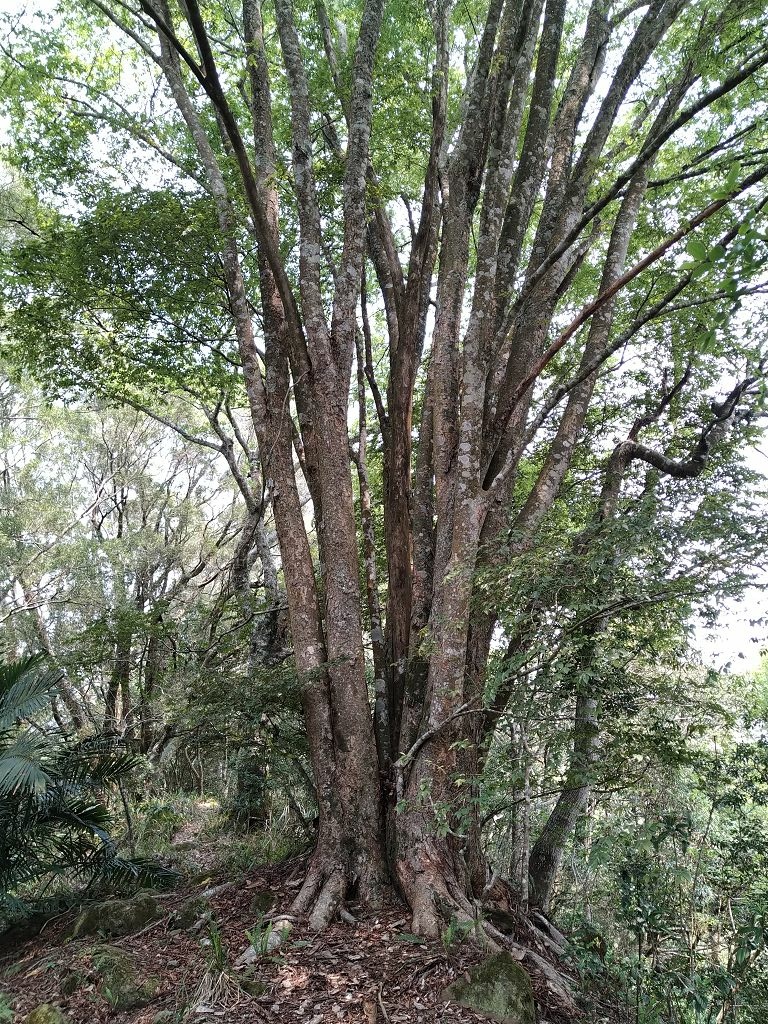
[55,824]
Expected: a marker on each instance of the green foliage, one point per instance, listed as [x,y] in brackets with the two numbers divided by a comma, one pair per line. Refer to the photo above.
[259,936]
[673,874]
[248,802]
[25,689]
[125,560]
[126,308]
[456,932]
[218,957]
[55,825]
[156,821]
[277,840]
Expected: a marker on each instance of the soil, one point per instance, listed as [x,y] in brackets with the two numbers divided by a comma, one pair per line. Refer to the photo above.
[370,970]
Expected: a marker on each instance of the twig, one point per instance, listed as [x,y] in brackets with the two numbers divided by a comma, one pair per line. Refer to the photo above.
[405,759]
[384,1013]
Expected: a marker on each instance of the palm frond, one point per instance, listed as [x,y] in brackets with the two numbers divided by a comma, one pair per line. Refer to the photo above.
[55,823]
[25,688]
[86,816]
[87,769]
[21,770]
[124,870]
[12,671]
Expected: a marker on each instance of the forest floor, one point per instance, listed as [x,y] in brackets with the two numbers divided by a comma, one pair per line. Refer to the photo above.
[371,971]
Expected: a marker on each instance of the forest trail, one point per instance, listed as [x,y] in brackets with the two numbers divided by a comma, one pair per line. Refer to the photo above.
[372,971]
[195,836]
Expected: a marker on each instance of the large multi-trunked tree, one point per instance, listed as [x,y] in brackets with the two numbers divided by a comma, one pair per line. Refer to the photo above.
[507,189]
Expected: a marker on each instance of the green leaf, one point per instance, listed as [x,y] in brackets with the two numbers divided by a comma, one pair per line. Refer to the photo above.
[696,249]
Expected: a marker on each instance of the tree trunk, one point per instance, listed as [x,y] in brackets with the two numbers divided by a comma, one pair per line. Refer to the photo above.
[547,853]
[118,688]
[69,698]
[515,192]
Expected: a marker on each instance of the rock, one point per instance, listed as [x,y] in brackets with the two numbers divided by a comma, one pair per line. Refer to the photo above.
[498,988]
[189,912]
[164,1017]
[267,942]
[119,981]
[281,929]
[207,894]
[71,981]
[118,917]
[47,1013]
[247,957]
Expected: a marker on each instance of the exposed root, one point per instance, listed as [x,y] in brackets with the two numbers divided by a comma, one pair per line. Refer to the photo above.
[308,891]
[321,895]
[328,902]
[330,879]
[498,940]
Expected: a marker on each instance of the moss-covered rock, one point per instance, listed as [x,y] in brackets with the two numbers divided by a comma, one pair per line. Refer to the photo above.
[118,917]
[119,981]
[189,912]
[499,988]
[47,1013]
[71,981]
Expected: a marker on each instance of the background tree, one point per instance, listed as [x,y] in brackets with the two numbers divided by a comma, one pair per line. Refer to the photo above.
[129,556]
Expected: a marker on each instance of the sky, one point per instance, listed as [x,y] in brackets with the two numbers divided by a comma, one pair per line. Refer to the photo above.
[735,644]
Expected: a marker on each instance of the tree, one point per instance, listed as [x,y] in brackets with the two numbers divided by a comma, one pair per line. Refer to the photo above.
[664,890]
[125,548]
[522,180]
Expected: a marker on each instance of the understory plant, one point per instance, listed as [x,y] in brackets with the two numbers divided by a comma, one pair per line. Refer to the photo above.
[57,832]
